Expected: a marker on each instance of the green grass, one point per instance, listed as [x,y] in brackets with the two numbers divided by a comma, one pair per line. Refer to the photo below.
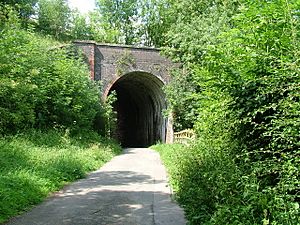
[35,164]
[170,154]
[203,180]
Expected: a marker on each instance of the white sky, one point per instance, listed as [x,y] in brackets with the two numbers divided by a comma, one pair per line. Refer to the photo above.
[83,5]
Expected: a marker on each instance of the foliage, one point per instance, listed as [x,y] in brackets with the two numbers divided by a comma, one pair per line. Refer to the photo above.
[238,87]
[53,18]
[187,42]
[182,96]
[40,85]
[81,29]
[155,22]
[138,22]
[110,115]
[121,16]
[25,9]
[241,59]
[266,99]
[36,163]
[101,31]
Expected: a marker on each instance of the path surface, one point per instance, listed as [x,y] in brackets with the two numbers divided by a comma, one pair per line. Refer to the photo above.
[130,189]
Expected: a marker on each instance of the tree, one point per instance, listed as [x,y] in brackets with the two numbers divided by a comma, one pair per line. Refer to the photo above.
[80,27]
[91,27]
[121,15]
[154,22]
[101,31]
[54,18]
[25,8]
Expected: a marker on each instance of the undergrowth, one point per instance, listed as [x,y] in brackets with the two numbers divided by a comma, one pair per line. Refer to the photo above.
[240,81]
[38,163]
[213,189]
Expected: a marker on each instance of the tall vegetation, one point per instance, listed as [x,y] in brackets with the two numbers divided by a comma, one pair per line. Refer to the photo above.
[241,59]
[57,20]
[120,16]
[41,86]
[53,18]
[24,8]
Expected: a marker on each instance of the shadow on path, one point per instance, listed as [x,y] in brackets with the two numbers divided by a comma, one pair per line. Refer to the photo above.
[131,189]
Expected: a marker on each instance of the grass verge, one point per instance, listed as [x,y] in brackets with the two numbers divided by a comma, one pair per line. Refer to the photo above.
[204,182]
[37,163]
[170,154]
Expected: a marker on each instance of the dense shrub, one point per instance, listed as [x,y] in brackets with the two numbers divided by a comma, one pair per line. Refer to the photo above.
[41,86]
[244,167]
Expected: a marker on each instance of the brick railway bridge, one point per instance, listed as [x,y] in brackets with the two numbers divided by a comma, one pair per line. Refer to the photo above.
[137,75]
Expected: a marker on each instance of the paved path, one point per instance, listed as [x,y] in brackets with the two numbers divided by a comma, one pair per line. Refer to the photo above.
[130,189]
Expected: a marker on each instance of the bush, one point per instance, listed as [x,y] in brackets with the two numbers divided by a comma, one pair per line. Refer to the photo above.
[244,168]
[41,86]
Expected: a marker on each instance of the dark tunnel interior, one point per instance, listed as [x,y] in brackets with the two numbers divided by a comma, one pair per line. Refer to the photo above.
[139,105]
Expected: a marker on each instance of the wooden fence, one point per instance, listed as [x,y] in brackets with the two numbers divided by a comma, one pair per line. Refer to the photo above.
[184,137]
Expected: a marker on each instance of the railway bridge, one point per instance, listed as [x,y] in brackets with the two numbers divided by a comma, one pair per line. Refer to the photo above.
[137,76]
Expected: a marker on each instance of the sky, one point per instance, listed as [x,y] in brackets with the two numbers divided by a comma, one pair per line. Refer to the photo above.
[83,5]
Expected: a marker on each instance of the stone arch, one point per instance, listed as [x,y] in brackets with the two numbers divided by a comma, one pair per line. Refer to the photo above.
[139,106]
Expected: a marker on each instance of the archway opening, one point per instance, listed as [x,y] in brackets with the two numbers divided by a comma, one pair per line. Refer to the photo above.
[139,106]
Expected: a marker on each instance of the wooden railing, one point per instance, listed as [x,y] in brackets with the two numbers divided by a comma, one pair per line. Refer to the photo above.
[184,137]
